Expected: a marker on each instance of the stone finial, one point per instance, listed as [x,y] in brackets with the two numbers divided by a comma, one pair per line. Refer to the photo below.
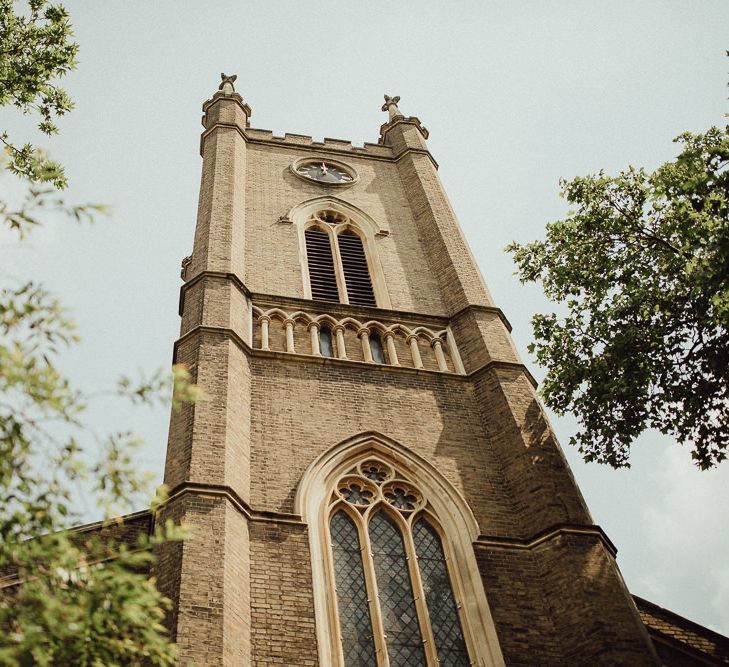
[391,106]
[227,83]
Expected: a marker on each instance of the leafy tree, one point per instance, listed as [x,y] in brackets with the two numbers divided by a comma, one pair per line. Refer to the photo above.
[66,597]
[641,269]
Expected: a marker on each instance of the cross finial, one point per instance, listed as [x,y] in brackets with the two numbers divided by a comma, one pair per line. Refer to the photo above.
[227,83]
[391,106]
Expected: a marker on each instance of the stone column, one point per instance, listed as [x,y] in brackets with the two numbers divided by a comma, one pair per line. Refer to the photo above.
[415,351]
[264,320]
[314,337]
[289,324]
[437,346]
[391,351]
[364,335]
[341,349]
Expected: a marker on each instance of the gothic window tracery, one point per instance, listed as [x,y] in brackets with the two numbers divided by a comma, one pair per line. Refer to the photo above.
[394,598]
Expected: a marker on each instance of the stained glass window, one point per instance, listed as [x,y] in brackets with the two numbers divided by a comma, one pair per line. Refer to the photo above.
[447,631]
[385,615]
[354,613]
[399,615]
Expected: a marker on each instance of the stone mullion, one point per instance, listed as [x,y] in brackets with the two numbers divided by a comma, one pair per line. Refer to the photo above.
[378,626]
[426,631]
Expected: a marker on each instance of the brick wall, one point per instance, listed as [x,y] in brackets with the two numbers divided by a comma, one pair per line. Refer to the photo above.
[243,585]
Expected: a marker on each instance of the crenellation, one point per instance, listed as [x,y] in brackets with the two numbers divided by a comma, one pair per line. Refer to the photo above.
[257,133]
[303,139]
[344,146]
[341,144]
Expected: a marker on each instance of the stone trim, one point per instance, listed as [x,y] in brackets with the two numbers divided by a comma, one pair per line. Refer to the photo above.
[402,120]
[215,275]
[416,151]
[243,508]
[484,309]
[311,358]
[558,530]
[452,514]
[205,329]
[504,364]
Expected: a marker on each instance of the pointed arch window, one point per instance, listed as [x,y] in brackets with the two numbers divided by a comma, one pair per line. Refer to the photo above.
[378,353]
[341,260]
[326,347]
[394,597]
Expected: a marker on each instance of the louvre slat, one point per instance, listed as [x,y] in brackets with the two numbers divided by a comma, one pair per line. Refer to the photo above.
[321,266]
[356,271]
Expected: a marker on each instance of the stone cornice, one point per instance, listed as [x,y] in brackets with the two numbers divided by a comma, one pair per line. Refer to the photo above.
[326,361]
[217,331]
[402,120]
[416,151]
[338,308]
[214,275]
[225,491]
[558,530]
[517,365]
[346,310]
[220,96]
[484,309]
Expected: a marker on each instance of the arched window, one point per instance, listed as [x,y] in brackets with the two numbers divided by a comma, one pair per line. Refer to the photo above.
[325,342]
[338,273]
[395,602]
[339,248]
[378,354]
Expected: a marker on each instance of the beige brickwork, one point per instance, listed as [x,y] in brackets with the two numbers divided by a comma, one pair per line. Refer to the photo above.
[243,587]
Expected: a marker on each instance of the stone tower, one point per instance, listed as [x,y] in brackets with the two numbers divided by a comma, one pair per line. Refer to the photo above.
[372,480]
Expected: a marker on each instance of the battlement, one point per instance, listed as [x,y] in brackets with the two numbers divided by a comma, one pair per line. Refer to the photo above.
[329,144]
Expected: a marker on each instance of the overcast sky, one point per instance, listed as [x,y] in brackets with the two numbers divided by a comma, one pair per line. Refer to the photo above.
[515,95]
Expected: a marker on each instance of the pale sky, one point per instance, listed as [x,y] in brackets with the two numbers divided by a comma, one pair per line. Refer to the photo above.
[515,95]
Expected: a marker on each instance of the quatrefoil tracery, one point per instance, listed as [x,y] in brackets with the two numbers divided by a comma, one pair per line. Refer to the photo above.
[374,481]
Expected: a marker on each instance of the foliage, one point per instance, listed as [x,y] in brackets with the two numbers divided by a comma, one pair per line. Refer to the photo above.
[641,267]
[69,598]
[35,50]
[66,597]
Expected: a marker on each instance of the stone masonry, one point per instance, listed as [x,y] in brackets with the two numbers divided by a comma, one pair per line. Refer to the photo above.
[242,588]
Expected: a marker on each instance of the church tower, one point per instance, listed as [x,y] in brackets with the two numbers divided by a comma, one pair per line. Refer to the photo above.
[371,480]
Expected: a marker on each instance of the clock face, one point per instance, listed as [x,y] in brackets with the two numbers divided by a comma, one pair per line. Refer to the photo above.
[324,172]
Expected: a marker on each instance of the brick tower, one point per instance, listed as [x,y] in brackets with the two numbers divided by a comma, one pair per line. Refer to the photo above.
[372,480]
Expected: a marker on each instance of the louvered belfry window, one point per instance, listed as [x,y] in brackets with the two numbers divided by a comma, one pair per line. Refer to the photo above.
[356,272]
[322,276]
